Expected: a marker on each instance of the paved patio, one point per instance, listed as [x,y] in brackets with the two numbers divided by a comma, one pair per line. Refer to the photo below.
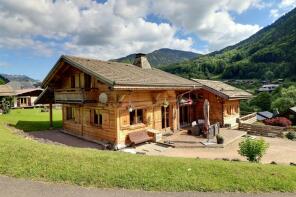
[183,140]
[58,137]
[280,150]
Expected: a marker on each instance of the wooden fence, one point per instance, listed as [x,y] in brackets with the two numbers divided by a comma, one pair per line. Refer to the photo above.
[250,118]
[264,130]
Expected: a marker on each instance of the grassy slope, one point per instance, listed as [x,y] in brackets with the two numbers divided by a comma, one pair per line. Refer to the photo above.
[21,157]
[32,119]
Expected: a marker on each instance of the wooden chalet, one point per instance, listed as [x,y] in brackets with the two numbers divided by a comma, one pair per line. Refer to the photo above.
[25,98]
[104,101]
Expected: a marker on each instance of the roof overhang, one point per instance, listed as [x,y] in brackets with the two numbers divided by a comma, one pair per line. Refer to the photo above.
[58,65]
[46,97]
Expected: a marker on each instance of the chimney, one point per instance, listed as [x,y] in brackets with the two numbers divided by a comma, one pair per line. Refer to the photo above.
[142,61]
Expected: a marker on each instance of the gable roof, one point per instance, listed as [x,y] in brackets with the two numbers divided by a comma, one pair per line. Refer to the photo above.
[6,90]
[122,75]
[28,91]
[222,89]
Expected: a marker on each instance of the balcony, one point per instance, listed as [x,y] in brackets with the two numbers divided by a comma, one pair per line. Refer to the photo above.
[76,95]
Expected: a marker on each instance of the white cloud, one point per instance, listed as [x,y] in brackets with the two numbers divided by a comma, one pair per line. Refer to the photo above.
[120,27]
[210,19]
[287,3]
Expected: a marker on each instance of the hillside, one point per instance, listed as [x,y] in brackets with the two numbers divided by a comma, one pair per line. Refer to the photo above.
[3,80]
[268,54]
[18,81]
[162,57]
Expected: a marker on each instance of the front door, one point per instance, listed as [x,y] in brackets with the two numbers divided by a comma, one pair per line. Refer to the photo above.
[184,116]
[165,114]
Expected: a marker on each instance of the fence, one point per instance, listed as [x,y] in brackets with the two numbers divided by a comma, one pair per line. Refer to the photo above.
[264,130]
[250,118]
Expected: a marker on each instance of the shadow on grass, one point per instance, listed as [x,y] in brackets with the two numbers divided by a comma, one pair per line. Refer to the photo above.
[36,125]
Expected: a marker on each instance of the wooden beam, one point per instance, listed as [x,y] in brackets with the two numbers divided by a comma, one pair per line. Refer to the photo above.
[50,116]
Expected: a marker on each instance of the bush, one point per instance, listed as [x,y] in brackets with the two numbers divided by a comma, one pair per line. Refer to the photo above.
[278,121]
[253,149]
[291,135]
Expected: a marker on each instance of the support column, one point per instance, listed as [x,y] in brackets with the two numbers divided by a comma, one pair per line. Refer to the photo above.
[50,116]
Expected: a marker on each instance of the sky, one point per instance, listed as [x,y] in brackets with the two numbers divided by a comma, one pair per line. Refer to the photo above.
[35,33]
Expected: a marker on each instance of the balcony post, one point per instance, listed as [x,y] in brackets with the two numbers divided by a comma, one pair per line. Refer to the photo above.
[50,116]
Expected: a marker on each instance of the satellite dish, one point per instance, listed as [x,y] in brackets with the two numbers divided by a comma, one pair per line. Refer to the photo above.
[103,98]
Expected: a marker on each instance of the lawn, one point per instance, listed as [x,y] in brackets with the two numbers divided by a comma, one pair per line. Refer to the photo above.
[32,119]
[20,157]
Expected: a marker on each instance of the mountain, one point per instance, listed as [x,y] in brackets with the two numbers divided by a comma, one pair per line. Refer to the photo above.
[162,57]
[270,53]
[19,81]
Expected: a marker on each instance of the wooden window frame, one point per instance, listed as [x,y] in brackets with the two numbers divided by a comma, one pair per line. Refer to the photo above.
[87,82]
[96,118]
[72,116]
[72,81]
[136,119]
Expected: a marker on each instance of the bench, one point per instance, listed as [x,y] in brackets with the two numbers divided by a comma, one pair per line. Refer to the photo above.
[139,137]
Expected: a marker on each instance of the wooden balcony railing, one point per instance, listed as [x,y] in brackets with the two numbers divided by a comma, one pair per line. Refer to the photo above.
[75,95]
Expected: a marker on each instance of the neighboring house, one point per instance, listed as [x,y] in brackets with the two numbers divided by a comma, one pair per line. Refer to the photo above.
[20,98]
[264,115]
[25,98]
[104,101]
[268,88]
[290,114]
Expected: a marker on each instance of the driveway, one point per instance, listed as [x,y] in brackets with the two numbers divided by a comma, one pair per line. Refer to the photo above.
[13,187]
[56,136]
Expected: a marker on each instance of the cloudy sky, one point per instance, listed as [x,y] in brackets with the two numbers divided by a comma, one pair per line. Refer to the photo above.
[34,33]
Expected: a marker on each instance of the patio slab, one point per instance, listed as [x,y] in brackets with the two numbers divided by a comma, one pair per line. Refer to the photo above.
[183,140]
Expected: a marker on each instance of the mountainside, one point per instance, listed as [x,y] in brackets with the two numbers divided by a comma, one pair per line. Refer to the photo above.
[268,54]
[3,80]
[18,81]
[162,57]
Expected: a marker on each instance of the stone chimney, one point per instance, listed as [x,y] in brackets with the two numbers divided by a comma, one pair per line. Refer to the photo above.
[142,61]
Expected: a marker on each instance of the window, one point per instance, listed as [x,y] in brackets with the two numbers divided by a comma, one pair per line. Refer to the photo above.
[70,113]
[97,118]
[87,81]
[72,81]
[136,116]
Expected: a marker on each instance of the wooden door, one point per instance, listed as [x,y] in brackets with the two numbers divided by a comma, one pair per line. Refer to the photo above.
[165,115]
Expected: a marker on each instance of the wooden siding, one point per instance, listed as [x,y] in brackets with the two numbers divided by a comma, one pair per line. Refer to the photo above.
[216,106]
[116,118]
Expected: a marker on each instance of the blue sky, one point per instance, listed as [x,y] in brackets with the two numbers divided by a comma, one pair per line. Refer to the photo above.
[34,35]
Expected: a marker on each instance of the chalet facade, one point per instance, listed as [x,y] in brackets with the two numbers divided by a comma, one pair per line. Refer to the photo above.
[105,101]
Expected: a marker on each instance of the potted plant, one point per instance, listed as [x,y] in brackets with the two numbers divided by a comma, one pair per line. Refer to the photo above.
[220,139]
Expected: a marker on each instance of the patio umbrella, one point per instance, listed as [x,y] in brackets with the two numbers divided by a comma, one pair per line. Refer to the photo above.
[206,110]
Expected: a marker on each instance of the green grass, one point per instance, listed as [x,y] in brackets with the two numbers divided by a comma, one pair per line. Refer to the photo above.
[32,119]
[30,159]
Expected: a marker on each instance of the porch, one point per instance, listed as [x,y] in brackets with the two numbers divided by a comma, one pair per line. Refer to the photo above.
[182,139]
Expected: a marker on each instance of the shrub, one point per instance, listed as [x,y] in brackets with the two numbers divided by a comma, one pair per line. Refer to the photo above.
[278,121]
[291,135]
[253,149]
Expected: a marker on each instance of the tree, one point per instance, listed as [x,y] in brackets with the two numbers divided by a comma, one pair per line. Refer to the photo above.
[269,75]
[286,99]
[253,149]
[263,101]
[5,105]
[283,104]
